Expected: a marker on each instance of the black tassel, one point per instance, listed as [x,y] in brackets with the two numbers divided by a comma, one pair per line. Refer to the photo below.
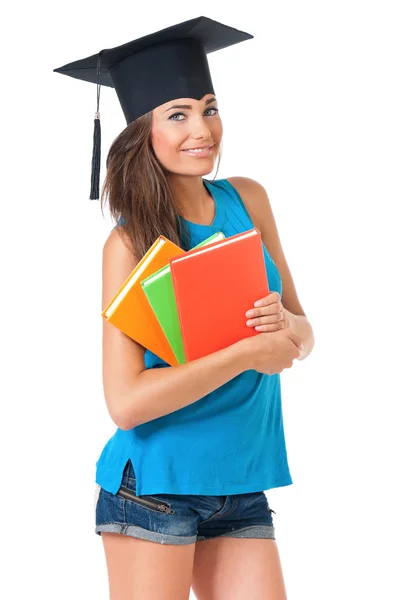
[96,159]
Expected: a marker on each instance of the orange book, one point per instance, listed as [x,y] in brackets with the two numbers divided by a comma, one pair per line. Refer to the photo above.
[214,287]
[129,309]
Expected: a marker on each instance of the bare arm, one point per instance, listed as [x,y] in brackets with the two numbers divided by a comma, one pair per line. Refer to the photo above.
[134,394]
[159,391]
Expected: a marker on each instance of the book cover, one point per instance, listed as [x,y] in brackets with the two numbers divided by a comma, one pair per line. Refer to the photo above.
[129,309]
[159,291]
[214,287]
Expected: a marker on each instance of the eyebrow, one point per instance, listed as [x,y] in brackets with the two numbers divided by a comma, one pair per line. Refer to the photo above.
[188,106]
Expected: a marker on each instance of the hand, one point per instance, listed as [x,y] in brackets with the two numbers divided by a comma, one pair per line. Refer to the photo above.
[269,314]
[271,352]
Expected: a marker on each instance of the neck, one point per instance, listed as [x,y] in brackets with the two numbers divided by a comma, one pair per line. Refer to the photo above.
[192,199]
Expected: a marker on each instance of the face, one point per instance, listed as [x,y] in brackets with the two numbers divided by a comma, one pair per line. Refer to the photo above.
[186,123]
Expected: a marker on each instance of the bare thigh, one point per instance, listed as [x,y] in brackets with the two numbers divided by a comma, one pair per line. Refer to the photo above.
[238,568]
[139,568]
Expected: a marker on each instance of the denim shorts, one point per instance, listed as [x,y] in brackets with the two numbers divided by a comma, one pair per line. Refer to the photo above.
[181,518]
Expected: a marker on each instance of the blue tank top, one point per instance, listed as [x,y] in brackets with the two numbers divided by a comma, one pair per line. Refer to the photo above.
[232,440]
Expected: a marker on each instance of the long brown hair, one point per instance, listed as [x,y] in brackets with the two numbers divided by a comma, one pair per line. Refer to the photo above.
[138,192]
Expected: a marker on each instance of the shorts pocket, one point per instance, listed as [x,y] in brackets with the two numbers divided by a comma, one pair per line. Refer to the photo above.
[150,502]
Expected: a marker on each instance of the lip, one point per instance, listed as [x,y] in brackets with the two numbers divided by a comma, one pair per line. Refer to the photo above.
[202,154]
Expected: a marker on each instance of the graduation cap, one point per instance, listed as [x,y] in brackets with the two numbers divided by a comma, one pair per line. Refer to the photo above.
[154,69]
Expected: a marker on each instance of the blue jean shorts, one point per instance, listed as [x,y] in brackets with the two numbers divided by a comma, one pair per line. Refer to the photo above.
[181,519]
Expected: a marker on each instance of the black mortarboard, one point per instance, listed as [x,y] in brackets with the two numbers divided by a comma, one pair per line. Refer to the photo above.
[154,69]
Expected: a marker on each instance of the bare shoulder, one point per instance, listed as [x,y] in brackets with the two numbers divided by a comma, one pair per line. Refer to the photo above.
[255,198]
[122,357]
[247,185]
[244,182]
[118,241]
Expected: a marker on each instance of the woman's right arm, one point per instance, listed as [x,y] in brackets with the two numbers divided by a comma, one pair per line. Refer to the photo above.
[135,395]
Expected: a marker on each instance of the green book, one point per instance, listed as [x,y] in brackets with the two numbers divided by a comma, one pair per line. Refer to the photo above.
[159,291]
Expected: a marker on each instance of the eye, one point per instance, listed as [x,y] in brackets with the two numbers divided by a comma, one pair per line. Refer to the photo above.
[180,113]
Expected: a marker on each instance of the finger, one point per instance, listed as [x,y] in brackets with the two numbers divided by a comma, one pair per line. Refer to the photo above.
[266,320]
[272,297]
[272,327]
[263,311]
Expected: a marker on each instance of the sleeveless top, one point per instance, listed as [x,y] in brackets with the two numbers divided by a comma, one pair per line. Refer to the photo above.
[232,440]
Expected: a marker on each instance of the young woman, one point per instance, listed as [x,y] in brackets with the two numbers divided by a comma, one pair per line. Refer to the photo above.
[222,545]
[179,498]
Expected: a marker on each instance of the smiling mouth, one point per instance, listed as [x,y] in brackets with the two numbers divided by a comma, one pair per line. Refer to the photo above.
[199,150]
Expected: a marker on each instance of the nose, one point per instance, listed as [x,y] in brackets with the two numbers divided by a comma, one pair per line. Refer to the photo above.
[200,129]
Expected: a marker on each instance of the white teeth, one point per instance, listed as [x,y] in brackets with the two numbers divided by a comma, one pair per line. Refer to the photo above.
[198,149]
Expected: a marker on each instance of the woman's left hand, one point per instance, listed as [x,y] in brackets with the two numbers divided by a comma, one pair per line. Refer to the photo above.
[269,314]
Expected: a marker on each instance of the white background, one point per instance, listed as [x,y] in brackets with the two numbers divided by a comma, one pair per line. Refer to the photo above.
[309,109]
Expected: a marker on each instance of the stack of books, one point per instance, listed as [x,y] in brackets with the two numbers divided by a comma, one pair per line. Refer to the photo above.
[184,305]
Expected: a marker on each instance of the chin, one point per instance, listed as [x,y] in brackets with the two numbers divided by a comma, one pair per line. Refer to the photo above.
[200,166]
